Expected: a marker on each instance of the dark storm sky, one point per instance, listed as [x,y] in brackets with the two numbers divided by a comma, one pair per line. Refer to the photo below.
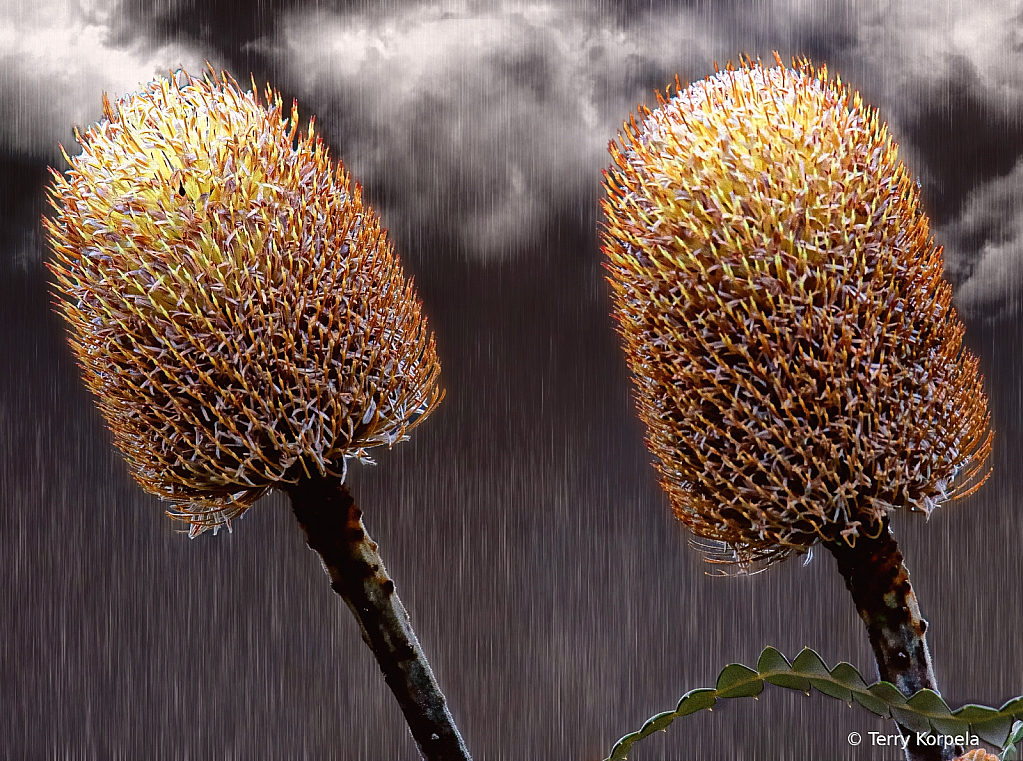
[558,601]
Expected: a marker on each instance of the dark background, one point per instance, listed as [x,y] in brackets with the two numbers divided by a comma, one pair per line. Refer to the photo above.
[558,601]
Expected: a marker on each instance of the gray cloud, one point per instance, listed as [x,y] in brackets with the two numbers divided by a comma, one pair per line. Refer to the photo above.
[485,120]
[931,66]
[931,59]
[56,60]
[984,248]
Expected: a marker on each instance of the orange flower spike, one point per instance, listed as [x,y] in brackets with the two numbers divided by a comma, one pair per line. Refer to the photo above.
[218,280]
[781,300]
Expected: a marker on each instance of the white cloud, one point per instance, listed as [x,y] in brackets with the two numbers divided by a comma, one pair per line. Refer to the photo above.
[916,55]
[904,51]
[483,121]
[481,118]
[56,61]
[984,247]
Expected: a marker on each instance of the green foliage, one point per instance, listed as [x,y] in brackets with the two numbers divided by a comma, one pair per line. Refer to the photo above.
[1009,751]
[923,712]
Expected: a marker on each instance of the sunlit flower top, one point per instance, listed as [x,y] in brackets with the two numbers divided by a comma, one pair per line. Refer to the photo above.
[235,308]
[798,363]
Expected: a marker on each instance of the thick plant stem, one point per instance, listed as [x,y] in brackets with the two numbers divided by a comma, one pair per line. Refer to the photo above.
[877,578]
[334,529]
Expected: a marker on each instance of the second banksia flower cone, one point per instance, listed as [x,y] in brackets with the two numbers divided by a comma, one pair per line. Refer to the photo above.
[798,362]
[244,324]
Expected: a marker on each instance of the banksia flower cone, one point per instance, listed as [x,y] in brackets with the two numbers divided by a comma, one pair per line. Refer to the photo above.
[245,325]
[799,365]
[235,307]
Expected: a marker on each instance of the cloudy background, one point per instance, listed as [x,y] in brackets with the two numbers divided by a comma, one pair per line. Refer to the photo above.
[558,601]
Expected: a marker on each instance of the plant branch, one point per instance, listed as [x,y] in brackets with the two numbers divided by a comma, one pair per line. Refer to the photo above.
[876,576]
[334,530]
[923,712]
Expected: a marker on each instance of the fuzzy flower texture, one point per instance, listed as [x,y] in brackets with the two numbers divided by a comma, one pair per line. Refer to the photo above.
[235,308]
[799,365]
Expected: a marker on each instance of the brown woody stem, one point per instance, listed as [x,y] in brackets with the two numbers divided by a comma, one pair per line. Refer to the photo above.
[876,576]
[334,529]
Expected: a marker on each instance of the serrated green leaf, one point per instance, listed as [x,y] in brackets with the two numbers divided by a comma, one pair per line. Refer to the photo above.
[974,713]
[847,675]
[1014,707]
[873,704]
[888,692]
[809,664]
[949,725]
[921,712]
[658,722]
[910,719]
[994,731]
[789,682]
[621,749]
[696,700]
[831,689]
[772,661]
[1015,736]
[929,703]
[776,669]
[738,681]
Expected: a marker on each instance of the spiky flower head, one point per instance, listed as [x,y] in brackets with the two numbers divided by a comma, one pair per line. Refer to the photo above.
[799,365]
[236,309]
[977,755]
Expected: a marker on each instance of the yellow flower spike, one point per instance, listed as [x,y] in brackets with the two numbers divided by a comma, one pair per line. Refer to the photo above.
[222,282]
[781,300]
[243,323]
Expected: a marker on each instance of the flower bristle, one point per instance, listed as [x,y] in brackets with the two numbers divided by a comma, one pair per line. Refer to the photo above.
[235,307]
[797,359]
